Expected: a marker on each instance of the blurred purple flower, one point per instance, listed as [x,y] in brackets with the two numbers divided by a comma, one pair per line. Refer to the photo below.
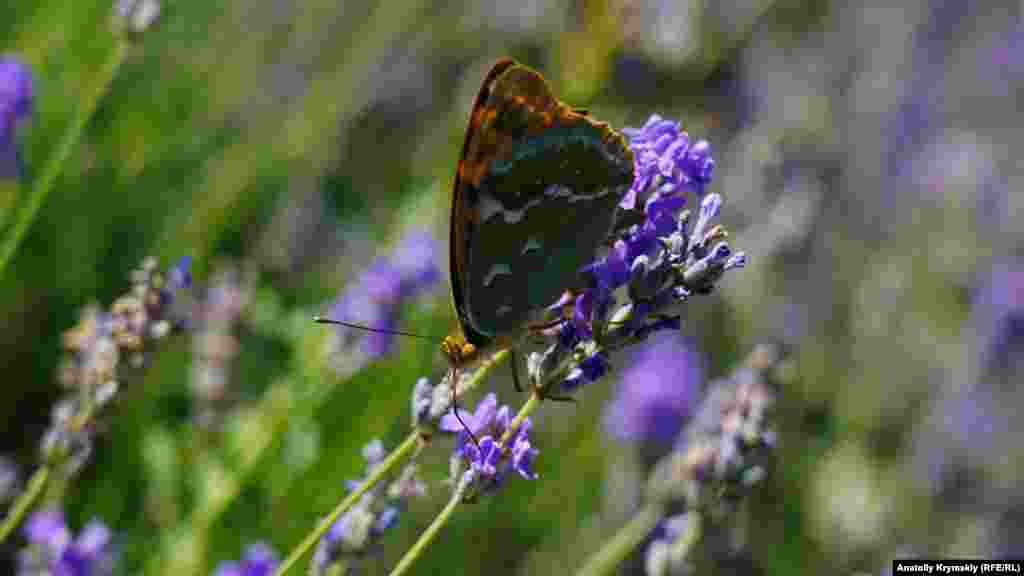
[259,560]
[967,429]
[16,97]
[659,558]
[415,258]
[999,315]
[374,299]
[52,551]
[101,347]
[962,436]
[657,392]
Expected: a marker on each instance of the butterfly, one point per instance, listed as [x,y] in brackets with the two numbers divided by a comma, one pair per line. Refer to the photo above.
[536,193]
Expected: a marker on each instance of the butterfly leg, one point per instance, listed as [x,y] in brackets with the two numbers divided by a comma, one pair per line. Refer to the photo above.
[514,362]
[559,398]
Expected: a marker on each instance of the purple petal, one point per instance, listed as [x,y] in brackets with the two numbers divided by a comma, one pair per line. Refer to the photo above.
[46,528]
[259,560]
[229,569]
[523,456]
[16,93]
[94,539]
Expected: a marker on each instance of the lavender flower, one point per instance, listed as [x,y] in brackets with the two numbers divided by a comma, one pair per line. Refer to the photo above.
[486,457]
[373,301]
[16,95]
[968,429]
[657,392]
[660,262]
[999,316]
[357,532]
[476,423]
[663,157]
[722,454]
[102,346]
[259,560]
[214,344]
[52,550]
[415,259]
[724,449]
[663,557]
[961,435]
[136,16]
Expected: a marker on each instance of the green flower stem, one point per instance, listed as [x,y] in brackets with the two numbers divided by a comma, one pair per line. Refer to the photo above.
[483,370]
[87,104]
[339,568]
[466,481]
[10,189]
[526,410]
[431,532]
[43,477]
[615,551]
[25,501]
[396,458]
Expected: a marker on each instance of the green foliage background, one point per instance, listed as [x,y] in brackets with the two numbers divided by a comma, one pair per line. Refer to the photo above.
[295,143]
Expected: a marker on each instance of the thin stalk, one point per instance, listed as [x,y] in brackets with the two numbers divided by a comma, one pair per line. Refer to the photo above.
[397,457]
[529,407]
[25,501]
[616,550]
[434,529]
[87,105]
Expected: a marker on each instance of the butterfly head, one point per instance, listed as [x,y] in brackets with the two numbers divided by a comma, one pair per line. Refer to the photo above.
[459,351]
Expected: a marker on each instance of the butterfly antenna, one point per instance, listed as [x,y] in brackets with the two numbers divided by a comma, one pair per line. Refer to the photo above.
[322,320]
[455,410]
[455,405]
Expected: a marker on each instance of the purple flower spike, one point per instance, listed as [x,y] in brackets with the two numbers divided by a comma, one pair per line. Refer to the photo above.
[663,259]
[416,258]
[663,156]
[657,393]
[375,298]
[998,312]
[489,461]
[16,95]
[360,529]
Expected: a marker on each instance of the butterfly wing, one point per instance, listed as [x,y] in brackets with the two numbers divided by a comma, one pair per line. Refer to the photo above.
[536,193]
